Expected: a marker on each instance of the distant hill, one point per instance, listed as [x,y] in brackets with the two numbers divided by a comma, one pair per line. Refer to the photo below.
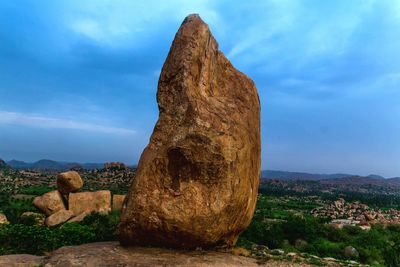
[46,164]
[338,179]
[284,175]
[3,164]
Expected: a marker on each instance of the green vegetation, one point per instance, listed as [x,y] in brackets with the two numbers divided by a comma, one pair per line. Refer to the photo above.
[281,220]
[34,239]
[37,190]
[279,223]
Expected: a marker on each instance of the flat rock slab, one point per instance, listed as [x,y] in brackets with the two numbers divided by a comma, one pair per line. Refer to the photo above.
[21,260]
[105,254]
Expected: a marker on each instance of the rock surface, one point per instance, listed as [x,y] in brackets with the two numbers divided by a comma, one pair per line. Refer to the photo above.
[59,217]
[21,260]
[79,217]
[197,179]
[68,182]
[99,201]
[50,202]
[105,254]
[117,202]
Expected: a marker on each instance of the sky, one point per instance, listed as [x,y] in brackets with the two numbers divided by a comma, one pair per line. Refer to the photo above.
[78,79]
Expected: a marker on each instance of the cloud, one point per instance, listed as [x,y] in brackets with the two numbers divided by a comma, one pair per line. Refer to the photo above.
[32,120]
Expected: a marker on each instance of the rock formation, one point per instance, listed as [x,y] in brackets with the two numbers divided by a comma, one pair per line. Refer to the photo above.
[197,179]
[68,182]
[50,202]
[59,217]
[99,201]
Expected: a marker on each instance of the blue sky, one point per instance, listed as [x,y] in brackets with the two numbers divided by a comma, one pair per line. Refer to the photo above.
[78,78]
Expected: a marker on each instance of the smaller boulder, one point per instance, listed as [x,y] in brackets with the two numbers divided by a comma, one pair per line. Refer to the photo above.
[50,202]
[118,201]
[99,201]
[300,243]
[59,217]
[33,218]
[350,252]
[68,182]
[80,217]
[3,219]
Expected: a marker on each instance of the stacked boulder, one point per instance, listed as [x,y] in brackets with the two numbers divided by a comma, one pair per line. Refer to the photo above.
[66,204]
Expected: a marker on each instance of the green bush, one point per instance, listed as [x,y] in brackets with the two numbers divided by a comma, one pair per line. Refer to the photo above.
[34,239]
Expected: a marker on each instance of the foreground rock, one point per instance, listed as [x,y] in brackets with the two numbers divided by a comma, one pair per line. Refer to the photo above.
[59,217]
[68,182]
[107,254]
[197,180]
[21,260]
[50,202]
[99,201]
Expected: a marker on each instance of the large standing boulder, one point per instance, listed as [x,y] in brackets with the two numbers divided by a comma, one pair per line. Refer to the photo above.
[50,202]
[68,182]
[197,180]
[99,201]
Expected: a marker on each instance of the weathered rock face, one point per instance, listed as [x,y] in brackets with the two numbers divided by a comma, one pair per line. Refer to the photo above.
[50,202]
[68,182]
[197,180]
[117,202]
[99,201]
[59,217]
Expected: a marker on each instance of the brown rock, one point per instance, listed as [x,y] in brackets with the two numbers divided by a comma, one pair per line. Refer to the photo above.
[50,202]
[117,202]
[105,254]
[99,201]
[68,182]
[59,217]
[3,219]
[21,260]
[197,179]
[79,217]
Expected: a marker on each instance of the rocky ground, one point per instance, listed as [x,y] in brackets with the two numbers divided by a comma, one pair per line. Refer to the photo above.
[112,254]
[355,213]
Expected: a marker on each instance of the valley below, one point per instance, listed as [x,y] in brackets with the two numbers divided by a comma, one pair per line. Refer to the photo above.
[343,221]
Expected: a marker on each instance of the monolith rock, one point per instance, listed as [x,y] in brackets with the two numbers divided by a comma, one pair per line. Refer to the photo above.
[197,180]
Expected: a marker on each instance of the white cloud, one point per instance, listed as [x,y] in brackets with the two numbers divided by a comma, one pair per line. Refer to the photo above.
[121,23]
[32,120]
